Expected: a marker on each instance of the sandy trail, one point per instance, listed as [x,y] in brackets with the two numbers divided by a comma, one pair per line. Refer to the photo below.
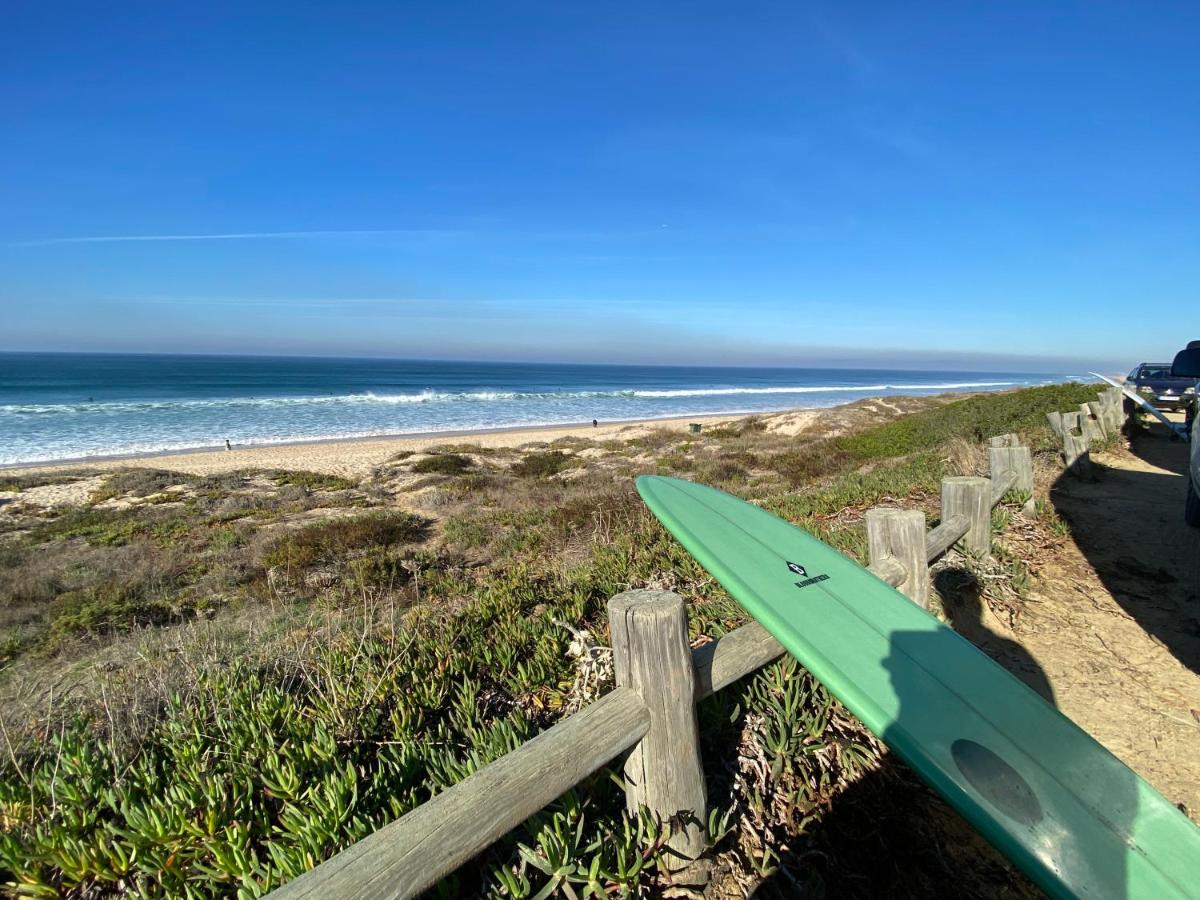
[1114,620]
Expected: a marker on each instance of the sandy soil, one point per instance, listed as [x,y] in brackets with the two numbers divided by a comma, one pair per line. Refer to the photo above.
[1112,629]
[356,458]
[71,493]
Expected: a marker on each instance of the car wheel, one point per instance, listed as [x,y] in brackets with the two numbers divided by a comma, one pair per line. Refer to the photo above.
[1191,507]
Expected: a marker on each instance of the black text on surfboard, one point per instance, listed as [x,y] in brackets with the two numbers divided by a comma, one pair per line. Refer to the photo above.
[807,581]
[803,573]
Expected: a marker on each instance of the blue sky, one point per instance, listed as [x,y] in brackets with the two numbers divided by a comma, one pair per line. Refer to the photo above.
[969,185]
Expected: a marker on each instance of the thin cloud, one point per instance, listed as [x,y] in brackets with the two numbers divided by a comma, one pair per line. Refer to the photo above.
[271,301]
[227,236]
[849,51]
[901,142]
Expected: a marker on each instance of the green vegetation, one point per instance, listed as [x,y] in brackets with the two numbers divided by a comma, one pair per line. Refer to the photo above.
[313,481]
[90,571]
[975,419]
[139,483]
[336,539]
[39,479]
[442,464]
[542,465]
[96,526]
[391,654]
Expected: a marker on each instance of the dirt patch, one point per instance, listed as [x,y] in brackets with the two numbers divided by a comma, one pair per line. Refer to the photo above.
[1113,617]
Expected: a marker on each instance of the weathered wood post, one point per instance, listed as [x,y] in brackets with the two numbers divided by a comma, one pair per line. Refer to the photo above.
[1076,455]
[1100,417]
[1015,460]
[897,537]
[1107,413]
[652,656]
[1116,402]
[970,496]
[1056,422]
[1075,446]
[1088,426]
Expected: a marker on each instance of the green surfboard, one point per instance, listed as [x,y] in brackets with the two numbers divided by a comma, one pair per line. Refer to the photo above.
[1066,811]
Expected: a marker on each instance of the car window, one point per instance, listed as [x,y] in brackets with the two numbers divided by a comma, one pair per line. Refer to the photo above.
[1155,372]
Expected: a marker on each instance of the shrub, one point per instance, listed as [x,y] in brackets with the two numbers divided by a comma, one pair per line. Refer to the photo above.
[470,449]
[226,537]
[720,471]
[221,484]
[110,527]
[655,439]
[442,464]
[313,481]
[329,541]
[40,479]
[141,483]
[572,442]
[542,465]
[676,462]
[818,459]
[113,605]
[379,568]
[466,532]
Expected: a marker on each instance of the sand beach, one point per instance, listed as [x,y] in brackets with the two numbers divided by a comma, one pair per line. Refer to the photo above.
[356,457]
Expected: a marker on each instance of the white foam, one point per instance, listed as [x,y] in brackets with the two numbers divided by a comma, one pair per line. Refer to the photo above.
[825,389]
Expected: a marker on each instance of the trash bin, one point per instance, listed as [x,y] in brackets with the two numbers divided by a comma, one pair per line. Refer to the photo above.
[694,427]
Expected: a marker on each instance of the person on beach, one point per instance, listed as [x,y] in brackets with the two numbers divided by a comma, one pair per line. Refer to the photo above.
[595,424]
[228,446]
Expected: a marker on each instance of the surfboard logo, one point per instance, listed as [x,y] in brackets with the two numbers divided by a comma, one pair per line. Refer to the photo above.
[805,580]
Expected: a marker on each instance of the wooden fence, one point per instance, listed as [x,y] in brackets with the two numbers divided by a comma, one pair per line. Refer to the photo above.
[651,713]
[1092,422]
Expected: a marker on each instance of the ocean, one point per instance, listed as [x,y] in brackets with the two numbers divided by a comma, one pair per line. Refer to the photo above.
[58,406]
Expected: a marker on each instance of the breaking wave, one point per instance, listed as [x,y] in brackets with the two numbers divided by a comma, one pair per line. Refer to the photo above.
[368,398]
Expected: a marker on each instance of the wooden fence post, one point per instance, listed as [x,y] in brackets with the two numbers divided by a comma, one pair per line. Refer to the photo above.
[970,496]
[1105,413]
[1019,461]
[1075,453]
[1056,422]
[899,535]
[1116,403]
[652,656]
[1088,426]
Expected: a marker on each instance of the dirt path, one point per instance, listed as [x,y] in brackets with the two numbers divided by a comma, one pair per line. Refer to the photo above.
[1114,617]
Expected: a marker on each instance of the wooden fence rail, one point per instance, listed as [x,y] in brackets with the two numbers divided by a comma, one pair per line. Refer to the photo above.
[651,713]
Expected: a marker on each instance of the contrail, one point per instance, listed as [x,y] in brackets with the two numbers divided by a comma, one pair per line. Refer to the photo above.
[229,236]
